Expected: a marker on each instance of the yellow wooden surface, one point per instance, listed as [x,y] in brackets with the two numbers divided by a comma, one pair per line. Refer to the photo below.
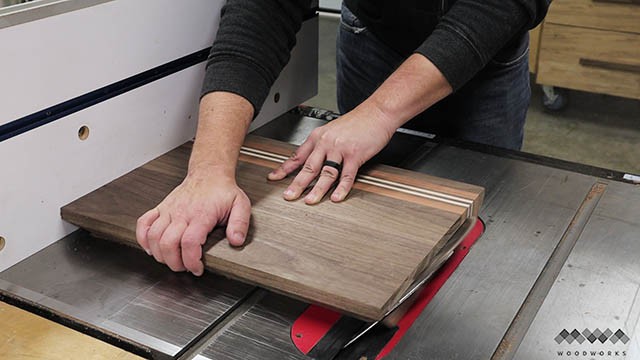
[595,15]
[563,46]
[534,46]
[26,336]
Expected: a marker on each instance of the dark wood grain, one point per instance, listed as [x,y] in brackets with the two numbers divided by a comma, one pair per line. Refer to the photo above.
[356,256]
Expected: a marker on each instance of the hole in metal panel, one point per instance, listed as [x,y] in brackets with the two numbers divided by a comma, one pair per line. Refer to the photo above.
[83,132]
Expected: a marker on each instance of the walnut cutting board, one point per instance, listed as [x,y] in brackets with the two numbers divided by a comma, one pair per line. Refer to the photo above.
[358,256]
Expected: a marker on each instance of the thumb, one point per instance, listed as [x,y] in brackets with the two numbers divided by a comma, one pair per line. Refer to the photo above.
[238,224]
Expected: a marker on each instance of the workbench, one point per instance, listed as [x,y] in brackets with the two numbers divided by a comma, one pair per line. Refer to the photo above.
[560,252]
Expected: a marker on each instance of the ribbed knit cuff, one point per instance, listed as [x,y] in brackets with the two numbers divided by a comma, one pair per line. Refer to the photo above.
[237,76]
[453,54]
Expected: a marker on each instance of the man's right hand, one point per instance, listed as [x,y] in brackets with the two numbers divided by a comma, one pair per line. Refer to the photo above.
[175,230]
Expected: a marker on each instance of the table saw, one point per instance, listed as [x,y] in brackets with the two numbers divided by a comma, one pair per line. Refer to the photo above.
[554,275]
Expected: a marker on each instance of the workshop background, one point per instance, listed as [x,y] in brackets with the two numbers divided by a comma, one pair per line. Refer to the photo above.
[590,127]
[555,270]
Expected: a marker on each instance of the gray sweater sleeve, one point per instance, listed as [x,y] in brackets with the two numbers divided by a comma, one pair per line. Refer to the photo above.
[472,32]
[255,38]
[252,46]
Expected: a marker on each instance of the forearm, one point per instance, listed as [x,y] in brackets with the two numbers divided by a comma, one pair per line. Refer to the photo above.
[223,122]
[252,45]
[414,87]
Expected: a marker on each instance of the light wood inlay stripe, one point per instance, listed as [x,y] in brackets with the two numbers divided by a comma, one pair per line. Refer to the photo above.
[263,154]
[415,193]
[366,179]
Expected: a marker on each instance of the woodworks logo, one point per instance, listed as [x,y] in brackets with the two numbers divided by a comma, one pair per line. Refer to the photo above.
[584,342]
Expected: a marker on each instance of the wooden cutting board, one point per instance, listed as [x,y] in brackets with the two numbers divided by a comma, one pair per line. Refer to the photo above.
[358,256]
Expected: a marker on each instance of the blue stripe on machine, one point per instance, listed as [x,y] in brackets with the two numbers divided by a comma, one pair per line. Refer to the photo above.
[53,113]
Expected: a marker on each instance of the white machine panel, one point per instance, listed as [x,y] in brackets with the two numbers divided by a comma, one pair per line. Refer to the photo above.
[50,166]
[331,4]
[54,59]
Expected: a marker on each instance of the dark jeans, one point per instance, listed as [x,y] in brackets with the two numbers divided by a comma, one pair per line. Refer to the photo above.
[489,109]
